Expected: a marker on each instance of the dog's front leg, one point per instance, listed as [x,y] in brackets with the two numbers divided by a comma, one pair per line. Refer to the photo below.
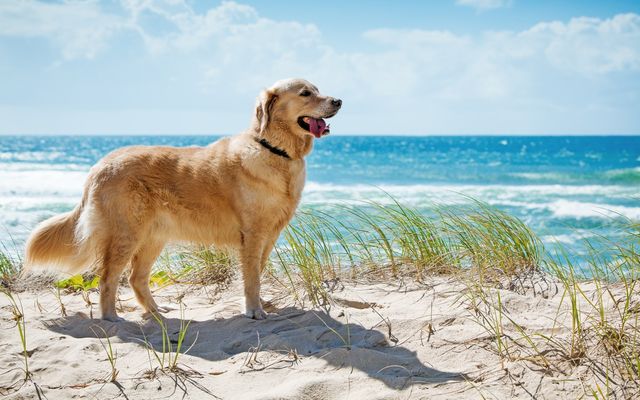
[250,257]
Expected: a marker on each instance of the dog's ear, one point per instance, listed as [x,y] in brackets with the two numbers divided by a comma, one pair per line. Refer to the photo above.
[264,109]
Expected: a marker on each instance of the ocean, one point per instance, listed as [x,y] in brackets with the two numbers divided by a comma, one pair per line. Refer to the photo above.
[565,188]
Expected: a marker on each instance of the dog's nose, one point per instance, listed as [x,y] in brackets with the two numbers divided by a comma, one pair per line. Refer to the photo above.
[336,102]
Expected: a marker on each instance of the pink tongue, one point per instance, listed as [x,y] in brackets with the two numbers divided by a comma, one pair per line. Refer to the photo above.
[317,126]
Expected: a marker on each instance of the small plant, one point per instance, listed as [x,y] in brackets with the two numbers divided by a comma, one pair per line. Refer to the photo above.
[8,270]
[84,284]
[169,355]
[79,283]
[6,265]
[346,340]
[112,355]
[18,316]
[252,363]
[161,278]
[488,314]
[58,295]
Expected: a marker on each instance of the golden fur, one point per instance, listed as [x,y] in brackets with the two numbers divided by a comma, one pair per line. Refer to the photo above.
[234,192]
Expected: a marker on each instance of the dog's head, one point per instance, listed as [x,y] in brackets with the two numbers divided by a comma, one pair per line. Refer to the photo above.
[295,105]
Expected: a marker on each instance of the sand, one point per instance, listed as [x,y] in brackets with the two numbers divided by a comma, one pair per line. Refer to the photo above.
[377,341]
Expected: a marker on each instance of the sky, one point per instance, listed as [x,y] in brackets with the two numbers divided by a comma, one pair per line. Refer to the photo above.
[440,67]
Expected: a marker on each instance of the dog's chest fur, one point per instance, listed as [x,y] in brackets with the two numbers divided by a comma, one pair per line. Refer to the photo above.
[272,186]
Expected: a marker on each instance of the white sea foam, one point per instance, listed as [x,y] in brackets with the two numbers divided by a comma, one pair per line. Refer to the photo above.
[558,200]
[621,172]
[577,209]
[32,156]
[537,176]
[44,186]
[29,193]
[29,166]
[41,182]
[563,239]
[567,238]
[614,175]
[503,192]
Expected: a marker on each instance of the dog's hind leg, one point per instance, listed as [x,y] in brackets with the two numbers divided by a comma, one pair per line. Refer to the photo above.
[141,265]
[115,259]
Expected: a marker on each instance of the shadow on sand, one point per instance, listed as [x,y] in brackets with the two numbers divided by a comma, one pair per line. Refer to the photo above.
[310,333]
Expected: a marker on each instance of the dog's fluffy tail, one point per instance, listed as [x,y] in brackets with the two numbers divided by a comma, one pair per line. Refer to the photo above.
[55,244]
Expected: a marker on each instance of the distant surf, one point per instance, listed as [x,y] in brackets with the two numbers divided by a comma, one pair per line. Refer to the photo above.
[565,188]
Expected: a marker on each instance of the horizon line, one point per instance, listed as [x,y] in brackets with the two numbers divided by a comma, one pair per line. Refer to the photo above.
[333,135]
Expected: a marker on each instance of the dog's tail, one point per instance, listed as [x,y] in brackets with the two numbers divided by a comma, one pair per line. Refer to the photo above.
[56,243]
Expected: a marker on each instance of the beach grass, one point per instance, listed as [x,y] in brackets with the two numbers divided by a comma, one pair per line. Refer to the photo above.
[595,326]
[168,355]
[195,264]
[394,239]
[9,269]
[487,249]
[112,355]
[601,304]
[21,326]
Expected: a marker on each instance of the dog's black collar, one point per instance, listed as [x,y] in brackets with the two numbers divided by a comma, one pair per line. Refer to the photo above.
[275,150]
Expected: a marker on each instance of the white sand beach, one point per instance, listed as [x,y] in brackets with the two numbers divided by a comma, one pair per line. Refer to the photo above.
[378,341]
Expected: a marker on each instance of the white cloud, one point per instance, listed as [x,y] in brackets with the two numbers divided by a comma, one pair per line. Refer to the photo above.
[484,4]
[590,45]
[503,64]
[459,83]
[80,28]
[231,32]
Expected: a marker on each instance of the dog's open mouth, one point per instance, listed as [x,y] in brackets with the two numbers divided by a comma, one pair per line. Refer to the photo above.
[316,126]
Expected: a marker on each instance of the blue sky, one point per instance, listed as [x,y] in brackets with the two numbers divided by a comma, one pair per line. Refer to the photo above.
[441,67]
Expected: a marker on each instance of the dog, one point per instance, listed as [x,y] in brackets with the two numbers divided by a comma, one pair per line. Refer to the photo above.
[239,192]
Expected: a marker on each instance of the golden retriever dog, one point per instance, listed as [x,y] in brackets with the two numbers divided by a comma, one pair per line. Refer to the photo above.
[238,192]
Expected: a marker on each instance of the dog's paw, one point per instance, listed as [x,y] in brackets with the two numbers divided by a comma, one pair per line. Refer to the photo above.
[151,315]
[164,309]
[257,313]
[112,318]
[268,306]
[155,312]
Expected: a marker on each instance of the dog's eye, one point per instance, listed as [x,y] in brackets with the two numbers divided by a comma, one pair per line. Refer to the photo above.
[305,93]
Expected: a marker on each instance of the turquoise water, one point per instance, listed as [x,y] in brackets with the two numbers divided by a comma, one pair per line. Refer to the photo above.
[565,188]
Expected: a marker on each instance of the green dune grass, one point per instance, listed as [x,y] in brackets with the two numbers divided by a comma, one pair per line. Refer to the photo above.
[485,248]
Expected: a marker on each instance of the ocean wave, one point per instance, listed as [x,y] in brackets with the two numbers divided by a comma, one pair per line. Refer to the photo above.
[613,176]
[557,201]
[14,156]
[627,175]
[41,182]
[30,166]
[28,196]
[544,176]
[577,209]
[566,238]
[62,157]
[37,203]
[502,191]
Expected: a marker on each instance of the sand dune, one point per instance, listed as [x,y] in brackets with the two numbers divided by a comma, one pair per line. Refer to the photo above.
[378,341]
